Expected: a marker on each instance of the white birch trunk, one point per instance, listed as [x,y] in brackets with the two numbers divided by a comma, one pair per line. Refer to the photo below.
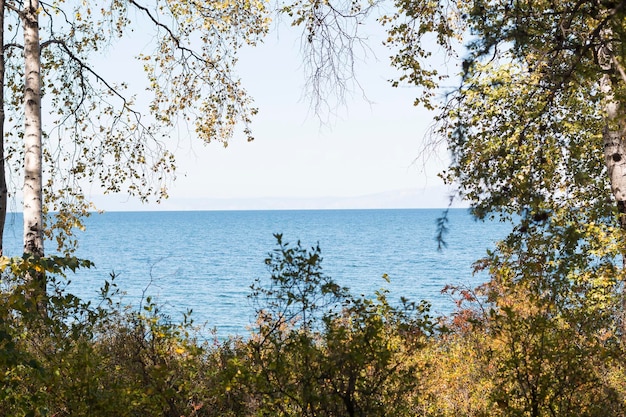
[33,209]
[614,139]
[615,148]
[3,182]
[33,190]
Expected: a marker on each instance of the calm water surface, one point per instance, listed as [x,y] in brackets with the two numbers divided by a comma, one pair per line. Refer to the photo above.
[206,261]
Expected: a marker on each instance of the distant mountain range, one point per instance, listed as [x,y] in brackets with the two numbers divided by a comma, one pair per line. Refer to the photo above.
[429,197]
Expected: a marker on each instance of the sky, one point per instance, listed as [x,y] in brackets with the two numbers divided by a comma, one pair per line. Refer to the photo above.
[365,155]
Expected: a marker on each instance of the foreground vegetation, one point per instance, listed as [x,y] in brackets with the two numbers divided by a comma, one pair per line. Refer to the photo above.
[514,347]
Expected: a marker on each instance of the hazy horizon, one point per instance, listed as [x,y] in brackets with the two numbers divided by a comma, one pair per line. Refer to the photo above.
[427,198]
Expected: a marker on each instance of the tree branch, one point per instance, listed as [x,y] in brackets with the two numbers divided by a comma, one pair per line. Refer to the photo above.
[90,70]
[13,45]
[171,34]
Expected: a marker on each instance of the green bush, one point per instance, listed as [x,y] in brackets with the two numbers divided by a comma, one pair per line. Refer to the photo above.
[318,351]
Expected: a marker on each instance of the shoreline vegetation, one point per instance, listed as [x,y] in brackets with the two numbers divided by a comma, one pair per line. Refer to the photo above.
[315,350]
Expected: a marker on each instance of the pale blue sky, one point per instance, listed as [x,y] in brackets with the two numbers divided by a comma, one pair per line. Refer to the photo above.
[369,146]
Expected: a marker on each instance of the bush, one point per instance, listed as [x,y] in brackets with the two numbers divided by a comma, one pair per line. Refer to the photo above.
[318,351]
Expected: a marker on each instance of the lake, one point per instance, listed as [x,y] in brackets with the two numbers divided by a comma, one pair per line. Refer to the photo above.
[207,260]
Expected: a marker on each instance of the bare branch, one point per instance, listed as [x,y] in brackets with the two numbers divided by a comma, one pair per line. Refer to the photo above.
[329,43]
[13,45]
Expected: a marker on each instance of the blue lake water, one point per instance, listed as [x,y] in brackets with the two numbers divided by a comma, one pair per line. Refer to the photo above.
[207,260]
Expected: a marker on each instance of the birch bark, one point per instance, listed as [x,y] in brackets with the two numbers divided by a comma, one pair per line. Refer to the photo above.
[614,133]
[33,192]
[614,148]
[33,214]
[3,182]
[614,139]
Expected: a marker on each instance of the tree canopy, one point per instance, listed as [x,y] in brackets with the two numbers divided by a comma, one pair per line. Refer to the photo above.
[527,127]
[98,131]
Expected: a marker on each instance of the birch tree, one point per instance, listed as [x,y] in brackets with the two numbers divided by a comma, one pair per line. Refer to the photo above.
[540,83]
[93,128]
[535,126]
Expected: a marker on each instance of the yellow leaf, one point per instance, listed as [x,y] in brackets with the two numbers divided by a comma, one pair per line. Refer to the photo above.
[4,262]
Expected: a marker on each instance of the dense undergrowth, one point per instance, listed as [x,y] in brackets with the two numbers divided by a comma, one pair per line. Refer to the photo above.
[315,350]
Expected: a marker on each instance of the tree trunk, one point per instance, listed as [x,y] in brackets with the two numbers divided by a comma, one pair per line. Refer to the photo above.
[615,157]
[3,182]
[33,209]
[614,139]
[615,149]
